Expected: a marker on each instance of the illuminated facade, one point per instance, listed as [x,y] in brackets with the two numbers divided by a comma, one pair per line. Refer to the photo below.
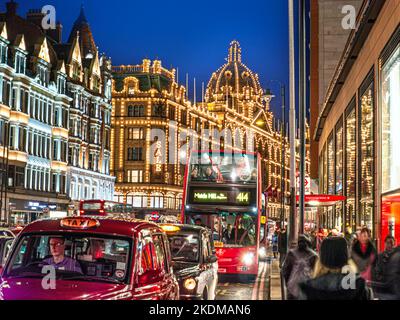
[33,121]
[356,129]
[55,118]
[147,97]
[89,86]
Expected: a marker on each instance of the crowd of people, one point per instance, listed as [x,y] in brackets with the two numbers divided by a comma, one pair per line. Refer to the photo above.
[328,265]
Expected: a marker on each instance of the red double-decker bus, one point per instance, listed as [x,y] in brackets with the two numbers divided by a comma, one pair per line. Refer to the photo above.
[104,208]
[222,190]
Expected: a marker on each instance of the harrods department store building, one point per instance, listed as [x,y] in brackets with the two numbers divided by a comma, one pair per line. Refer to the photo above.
[358,129]
[55,117]
[154,127]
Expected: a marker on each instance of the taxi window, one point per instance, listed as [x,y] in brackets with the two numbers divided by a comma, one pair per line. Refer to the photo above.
[80,257]
[160,256]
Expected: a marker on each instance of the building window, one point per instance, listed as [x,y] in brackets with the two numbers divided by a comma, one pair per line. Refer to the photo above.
[331,166]
[339,158]
[351,138]
[367,155]
[42,72]
[19,62]
[3,52]
[135,134]
[171,112]
[158,110]
[136,111]
[390,121]
[135,154]
[156,200]
[135,176]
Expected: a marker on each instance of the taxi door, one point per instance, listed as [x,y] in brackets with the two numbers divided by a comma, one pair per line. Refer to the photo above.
[155,280]
[210,264]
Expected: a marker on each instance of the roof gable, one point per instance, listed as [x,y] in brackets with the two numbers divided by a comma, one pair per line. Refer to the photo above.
[20,42]
[3,30]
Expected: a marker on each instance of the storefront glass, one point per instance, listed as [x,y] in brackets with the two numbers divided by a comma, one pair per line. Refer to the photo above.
[367,153]
[339,174]
[351,168]
[390,97]
[331,166]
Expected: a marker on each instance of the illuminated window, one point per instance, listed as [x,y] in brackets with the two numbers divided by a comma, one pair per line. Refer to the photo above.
[390,97]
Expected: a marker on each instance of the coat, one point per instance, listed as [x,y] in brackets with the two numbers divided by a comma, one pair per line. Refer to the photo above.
[364,261]
[298,266]
[330,287]
[386,273]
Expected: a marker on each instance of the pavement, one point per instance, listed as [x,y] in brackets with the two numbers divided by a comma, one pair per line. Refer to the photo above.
[276,288]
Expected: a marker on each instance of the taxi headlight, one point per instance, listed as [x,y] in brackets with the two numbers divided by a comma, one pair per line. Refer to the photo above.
[189,283]
[248,259]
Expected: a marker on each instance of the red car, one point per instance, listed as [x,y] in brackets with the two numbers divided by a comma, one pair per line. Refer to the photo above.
[89,258]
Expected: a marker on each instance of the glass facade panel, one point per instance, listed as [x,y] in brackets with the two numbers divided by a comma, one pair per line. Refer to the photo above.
[367,163]
[351,138]
[390,120]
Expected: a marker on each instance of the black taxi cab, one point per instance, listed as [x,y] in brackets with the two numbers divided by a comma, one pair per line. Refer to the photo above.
[194,260]
[89,258]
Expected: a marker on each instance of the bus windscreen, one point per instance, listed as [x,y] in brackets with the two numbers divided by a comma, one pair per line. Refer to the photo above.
[225,168]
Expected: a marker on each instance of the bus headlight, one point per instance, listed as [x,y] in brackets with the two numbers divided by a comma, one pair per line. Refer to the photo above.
[248,259]
[189,283]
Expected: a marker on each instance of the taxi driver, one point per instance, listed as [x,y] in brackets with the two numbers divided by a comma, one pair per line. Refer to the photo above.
[58,260]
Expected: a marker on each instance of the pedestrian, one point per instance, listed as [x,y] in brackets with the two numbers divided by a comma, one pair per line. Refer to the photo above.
[298,266]
[314,240]
[275,248]
[363,253]
[386,272]
[348,236]
[282,246]
[331,280]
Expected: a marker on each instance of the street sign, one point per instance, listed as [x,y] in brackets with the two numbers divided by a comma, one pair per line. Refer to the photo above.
[263,219]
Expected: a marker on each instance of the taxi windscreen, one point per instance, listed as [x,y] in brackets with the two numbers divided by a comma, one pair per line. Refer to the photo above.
[184,247]
[74,257]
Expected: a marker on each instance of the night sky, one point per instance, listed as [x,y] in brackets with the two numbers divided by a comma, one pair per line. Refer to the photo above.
[192,36]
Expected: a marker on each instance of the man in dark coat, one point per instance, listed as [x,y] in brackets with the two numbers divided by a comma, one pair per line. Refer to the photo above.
[386,272]
[298,266]
[282,246]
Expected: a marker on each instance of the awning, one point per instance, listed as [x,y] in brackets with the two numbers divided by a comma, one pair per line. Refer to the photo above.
[321,200]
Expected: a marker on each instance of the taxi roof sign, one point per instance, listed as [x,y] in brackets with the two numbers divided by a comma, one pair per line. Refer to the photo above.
[79,223]
[170,228]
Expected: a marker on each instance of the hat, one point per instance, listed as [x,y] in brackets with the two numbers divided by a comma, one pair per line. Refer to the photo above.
[333,252]
[305,238]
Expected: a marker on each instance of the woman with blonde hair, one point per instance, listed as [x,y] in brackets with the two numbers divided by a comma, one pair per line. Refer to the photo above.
[335,275]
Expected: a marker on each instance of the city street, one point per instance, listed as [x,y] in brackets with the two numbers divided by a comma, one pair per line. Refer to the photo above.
[234,288]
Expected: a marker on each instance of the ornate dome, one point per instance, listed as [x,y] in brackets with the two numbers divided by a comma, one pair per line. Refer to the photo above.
[234,79]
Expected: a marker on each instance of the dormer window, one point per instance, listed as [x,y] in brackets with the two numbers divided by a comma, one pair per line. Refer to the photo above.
[20,62]
[3,52]
[61,84]
[75,71]
[96,83]
[42,72]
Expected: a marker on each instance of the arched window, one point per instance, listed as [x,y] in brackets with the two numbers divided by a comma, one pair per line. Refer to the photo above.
[156,200]
[137,200]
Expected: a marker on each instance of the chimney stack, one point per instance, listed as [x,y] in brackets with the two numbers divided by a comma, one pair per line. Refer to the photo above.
[11,8]
[35,16]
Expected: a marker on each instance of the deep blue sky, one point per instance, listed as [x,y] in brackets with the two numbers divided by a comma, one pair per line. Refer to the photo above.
[193,36]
